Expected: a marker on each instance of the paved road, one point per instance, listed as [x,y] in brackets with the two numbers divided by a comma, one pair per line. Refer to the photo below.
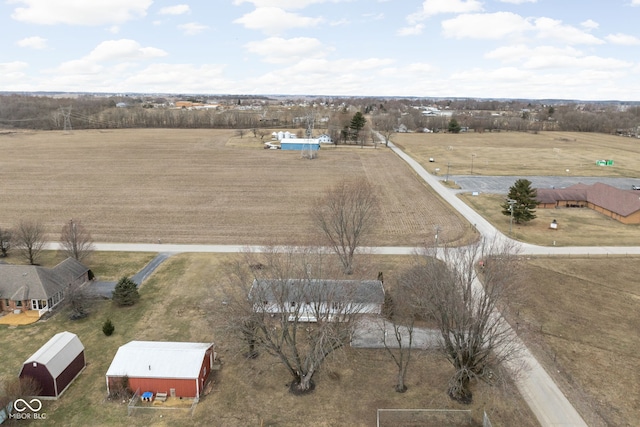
[545,399]
[547,402]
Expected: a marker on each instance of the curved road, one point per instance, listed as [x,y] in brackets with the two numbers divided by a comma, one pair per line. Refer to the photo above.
[540,392]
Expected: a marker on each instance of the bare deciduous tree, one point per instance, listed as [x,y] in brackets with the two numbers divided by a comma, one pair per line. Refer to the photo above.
[465,294]
[30,239]
[5,241]
[18,388]
[401,314]
[346,215]
[76,240]
[292,313]
[386,125]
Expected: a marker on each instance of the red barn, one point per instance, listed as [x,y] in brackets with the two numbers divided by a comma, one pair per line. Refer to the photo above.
[56,364]
[179,369]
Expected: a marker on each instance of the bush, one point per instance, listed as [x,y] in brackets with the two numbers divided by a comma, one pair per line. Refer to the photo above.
[108,328]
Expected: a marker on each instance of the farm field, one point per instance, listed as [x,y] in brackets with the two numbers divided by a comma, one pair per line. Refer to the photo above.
[348,391]
[523,153]
[202,186]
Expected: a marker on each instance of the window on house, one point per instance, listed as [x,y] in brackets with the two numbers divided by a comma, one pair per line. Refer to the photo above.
[18,303]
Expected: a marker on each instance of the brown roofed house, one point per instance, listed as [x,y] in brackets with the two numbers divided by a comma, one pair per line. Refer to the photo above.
[621,205]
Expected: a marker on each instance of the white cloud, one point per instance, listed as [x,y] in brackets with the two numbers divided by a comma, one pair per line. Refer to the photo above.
[278,50]
[179,9]
[437,7]
[485,25]
[411,31]
[74,12]
[186,78]
[286,4]
[549,57]
[339,22]
[623,39]
[192,28]
[374,16]
[274,20]
[590,24]
[33,42]
[635,2]
[316,75]
[502,24]
[554,29]
[123,49]
[13,69]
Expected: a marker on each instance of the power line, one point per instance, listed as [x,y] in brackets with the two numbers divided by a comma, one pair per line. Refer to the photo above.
[66,113]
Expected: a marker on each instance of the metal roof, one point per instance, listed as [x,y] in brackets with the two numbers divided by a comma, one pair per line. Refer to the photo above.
[58,352]
[159,359]
[621,202]
[319,290]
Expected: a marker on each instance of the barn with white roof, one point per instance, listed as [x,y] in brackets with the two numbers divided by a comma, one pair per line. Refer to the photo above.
[56,364]
[179,369]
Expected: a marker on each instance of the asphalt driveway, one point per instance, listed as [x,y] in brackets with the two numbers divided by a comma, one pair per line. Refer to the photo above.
[501,184]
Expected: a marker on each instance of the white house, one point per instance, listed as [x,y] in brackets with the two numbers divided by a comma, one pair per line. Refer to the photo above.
[310,299]
[325,139]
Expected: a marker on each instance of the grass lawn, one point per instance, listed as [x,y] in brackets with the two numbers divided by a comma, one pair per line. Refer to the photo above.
[576,227]
[183,301]
[524,153]
[581,322]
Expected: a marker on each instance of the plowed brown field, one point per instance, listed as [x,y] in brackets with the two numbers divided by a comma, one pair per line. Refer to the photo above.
[202,186]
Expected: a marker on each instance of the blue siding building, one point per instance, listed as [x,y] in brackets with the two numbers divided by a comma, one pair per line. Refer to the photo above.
[300,144]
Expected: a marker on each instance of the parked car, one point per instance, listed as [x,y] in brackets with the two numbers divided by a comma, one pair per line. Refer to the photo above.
[635,187]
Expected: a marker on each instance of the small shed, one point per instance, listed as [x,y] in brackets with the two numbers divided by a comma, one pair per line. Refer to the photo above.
[56,364]
[179,369]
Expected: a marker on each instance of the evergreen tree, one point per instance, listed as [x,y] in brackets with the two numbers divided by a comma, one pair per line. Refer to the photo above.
[126,292]
[108,328]
[454,126]
[357,123]
[525,201]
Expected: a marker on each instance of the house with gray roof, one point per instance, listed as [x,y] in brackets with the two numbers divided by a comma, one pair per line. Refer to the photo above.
[621,205]
[31,287]
[310,299]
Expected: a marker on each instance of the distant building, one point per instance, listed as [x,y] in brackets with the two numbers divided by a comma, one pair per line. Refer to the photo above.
[300,144]
[621,205]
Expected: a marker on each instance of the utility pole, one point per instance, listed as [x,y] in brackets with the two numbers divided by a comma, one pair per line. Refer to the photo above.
[447,178]
[511,203]
[66,113]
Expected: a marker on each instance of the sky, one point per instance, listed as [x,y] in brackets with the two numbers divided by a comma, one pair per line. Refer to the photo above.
[533,49]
